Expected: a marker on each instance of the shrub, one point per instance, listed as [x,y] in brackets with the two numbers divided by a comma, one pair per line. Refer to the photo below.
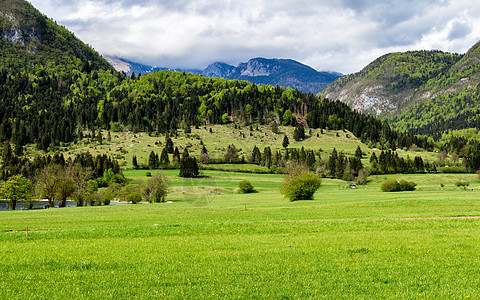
[246,187]
[392,185]
[463,184]
[134,197]
[407,185]
[299,184]
[149,174]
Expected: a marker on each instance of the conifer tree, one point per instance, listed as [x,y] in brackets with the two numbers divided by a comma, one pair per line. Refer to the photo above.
[299,132]
[164,160]
[285,142]
[168,143]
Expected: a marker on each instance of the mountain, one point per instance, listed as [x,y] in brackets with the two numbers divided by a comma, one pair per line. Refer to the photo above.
[129,67]
[390,84]
[218,69]
[27,38]
[283,72]
[423,92]
[49,79]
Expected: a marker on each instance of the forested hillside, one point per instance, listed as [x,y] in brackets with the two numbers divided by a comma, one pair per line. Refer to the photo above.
[423,92]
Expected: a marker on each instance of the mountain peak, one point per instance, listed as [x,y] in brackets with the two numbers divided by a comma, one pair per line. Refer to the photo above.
[274,71]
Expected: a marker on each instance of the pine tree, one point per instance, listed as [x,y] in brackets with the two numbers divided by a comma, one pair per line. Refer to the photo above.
[164,160]
[256,155]
[299,132]
[189,167]
[185,154]
[285,142]
[168,143]
[152,160]
[176,155]
[134,162]
[358,153]
[332,163]
[267,157]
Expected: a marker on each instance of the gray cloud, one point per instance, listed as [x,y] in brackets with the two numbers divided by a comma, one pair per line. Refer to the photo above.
[339,35]
[459,30]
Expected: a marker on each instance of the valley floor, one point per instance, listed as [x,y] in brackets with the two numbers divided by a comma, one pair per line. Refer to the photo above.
[212,242]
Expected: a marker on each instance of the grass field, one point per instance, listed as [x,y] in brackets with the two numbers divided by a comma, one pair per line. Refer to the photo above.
[214,243]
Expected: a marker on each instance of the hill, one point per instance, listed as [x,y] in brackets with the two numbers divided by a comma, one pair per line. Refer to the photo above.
[425,92]
[27,38]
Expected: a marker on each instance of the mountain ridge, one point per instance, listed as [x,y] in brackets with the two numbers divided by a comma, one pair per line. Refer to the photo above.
[259,70]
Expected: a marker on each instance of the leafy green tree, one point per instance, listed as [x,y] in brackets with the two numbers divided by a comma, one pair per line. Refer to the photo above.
[66,184]
[16,188]
[156,189]
[225,118]
[287,118]
[299,183]
[47,183]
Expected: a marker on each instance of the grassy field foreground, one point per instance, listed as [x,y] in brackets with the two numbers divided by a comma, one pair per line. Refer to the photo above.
[213,243]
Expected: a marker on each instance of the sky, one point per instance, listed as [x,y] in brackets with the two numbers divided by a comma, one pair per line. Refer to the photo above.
[329,35]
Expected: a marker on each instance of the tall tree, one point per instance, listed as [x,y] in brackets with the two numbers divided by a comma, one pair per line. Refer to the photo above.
[16,188]
[285,142]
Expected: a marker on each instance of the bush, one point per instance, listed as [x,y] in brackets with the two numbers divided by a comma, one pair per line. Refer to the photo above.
[134,197]
[463,184]
[149,174]
[246,187]
[407,185]
[300,186]
[392,185]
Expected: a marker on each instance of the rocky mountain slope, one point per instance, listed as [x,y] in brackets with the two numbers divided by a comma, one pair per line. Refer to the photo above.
[426,92]
[283,72]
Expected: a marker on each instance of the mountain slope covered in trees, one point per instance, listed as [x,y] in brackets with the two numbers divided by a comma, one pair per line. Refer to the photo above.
[424,92]
[53,87]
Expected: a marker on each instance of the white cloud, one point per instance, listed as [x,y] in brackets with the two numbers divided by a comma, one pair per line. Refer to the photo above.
[337,35]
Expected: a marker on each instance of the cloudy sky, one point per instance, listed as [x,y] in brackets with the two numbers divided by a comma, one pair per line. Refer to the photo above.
[333,35]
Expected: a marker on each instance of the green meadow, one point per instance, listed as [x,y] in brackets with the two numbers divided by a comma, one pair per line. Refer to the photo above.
[211,242]
[124,145]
